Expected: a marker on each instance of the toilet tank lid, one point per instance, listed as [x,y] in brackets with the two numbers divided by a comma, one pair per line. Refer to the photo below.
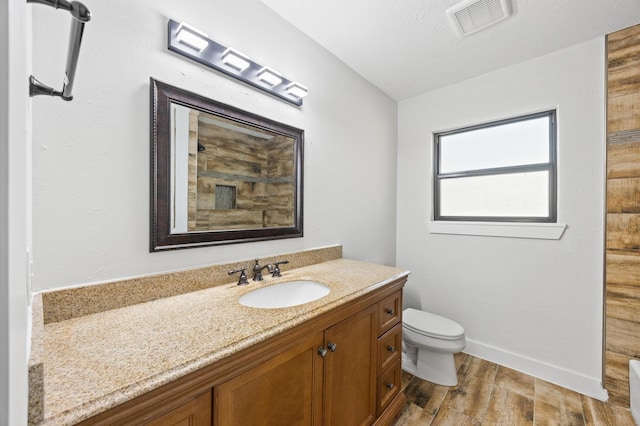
[431,324]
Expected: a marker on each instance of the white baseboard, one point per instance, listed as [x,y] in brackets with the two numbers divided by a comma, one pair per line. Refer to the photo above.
[590,386]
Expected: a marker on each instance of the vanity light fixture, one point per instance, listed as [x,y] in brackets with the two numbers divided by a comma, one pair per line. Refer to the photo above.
[297,90]
[196,45]
[235,59]
[192,37]
[269,76]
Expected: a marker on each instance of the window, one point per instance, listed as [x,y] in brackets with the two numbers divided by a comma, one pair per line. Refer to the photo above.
[503,171]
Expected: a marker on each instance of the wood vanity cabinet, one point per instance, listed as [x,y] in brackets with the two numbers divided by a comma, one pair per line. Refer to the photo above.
[196,412]
[341,368]
[337,365]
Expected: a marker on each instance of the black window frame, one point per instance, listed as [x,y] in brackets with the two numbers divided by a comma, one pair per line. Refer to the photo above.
[550,166]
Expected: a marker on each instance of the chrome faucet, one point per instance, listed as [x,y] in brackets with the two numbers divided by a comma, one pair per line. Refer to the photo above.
[257,270]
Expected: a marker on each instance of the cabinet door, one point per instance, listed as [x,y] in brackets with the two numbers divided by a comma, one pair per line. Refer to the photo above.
[350,370]
[196,412]
[285,390]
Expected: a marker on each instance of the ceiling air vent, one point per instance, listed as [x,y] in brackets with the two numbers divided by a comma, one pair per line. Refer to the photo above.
[470,16]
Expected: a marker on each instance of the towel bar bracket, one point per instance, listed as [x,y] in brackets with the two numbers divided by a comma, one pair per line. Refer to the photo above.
[81,15]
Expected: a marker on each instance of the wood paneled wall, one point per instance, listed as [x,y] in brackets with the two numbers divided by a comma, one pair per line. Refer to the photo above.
[622,330]
[260,171]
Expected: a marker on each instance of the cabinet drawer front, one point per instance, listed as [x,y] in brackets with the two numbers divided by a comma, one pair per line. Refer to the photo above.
[389,386]
[389,312]
[389,348]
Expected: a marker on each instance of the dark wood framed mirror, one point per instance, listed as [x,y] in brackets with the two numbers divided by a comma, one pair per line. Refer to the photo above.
[220,175]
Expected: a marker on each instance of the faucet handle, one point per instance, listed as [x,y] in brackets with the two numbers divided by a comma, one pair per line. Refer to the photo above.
[242,280]
[276,269]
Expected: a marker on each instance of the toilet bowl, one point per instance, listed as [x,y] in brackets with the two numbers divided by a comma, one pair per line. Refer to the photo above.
[428,344]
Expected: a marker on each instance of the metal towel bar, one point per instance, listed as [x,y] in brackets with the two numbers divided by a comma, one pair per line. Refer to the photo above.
[81,15]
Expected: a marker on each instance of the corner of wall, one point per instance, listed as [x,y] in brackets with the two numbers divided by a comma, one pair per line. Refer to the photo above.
[15,213]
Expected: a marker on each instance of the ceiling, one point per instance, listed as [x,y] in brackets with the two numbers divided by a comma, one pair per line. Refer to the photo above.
[408,47]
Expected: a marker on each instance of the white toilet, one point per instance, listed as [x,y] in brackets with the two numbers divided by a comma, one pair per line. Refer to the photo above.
[428,344]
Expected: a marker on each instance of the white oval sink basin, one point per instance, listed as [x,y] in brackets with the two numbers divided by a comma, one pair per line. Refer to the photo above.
[284,295]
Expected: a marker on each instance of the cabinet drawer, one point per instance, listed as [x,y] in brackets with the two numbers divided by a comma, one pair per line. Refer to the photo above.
[388,386]
[389,348]
[389,312]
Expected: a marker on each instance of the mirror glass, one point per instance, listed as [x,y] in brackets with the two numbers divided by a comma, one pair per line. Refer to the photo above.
[221,175]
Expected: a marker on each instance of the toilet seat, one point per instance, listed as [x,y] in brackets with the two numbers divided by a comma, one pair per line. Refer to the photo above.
[431,325]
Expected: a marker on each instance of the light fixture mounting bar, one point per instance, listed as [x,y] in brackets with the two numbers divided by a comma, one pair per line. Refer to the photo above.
[212,55]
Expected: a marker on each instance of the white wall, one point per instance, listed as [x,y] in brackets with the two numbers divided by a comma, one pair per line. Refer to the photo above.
[91,155]
[15,219]
[533,305]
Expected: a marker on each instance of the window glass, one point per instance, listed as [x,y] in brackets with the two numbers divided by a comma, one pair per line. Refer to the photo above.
[501,171]
[512,144]
[503,195]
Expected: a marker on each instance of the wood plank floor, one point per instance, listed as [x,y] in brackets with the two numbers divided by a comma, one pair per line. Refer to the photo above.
[489,394]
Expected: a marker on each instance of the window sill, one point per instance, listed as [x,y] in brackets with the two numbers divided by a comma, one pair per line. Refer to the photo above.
[544,231]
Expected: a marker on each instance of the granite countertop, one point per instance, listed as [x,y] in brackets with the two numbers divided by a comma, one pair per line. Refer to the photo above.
[95,362]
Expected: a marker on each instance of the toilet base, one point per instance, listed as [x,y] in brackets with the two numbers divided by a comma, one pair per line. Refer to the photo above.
[434,367]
